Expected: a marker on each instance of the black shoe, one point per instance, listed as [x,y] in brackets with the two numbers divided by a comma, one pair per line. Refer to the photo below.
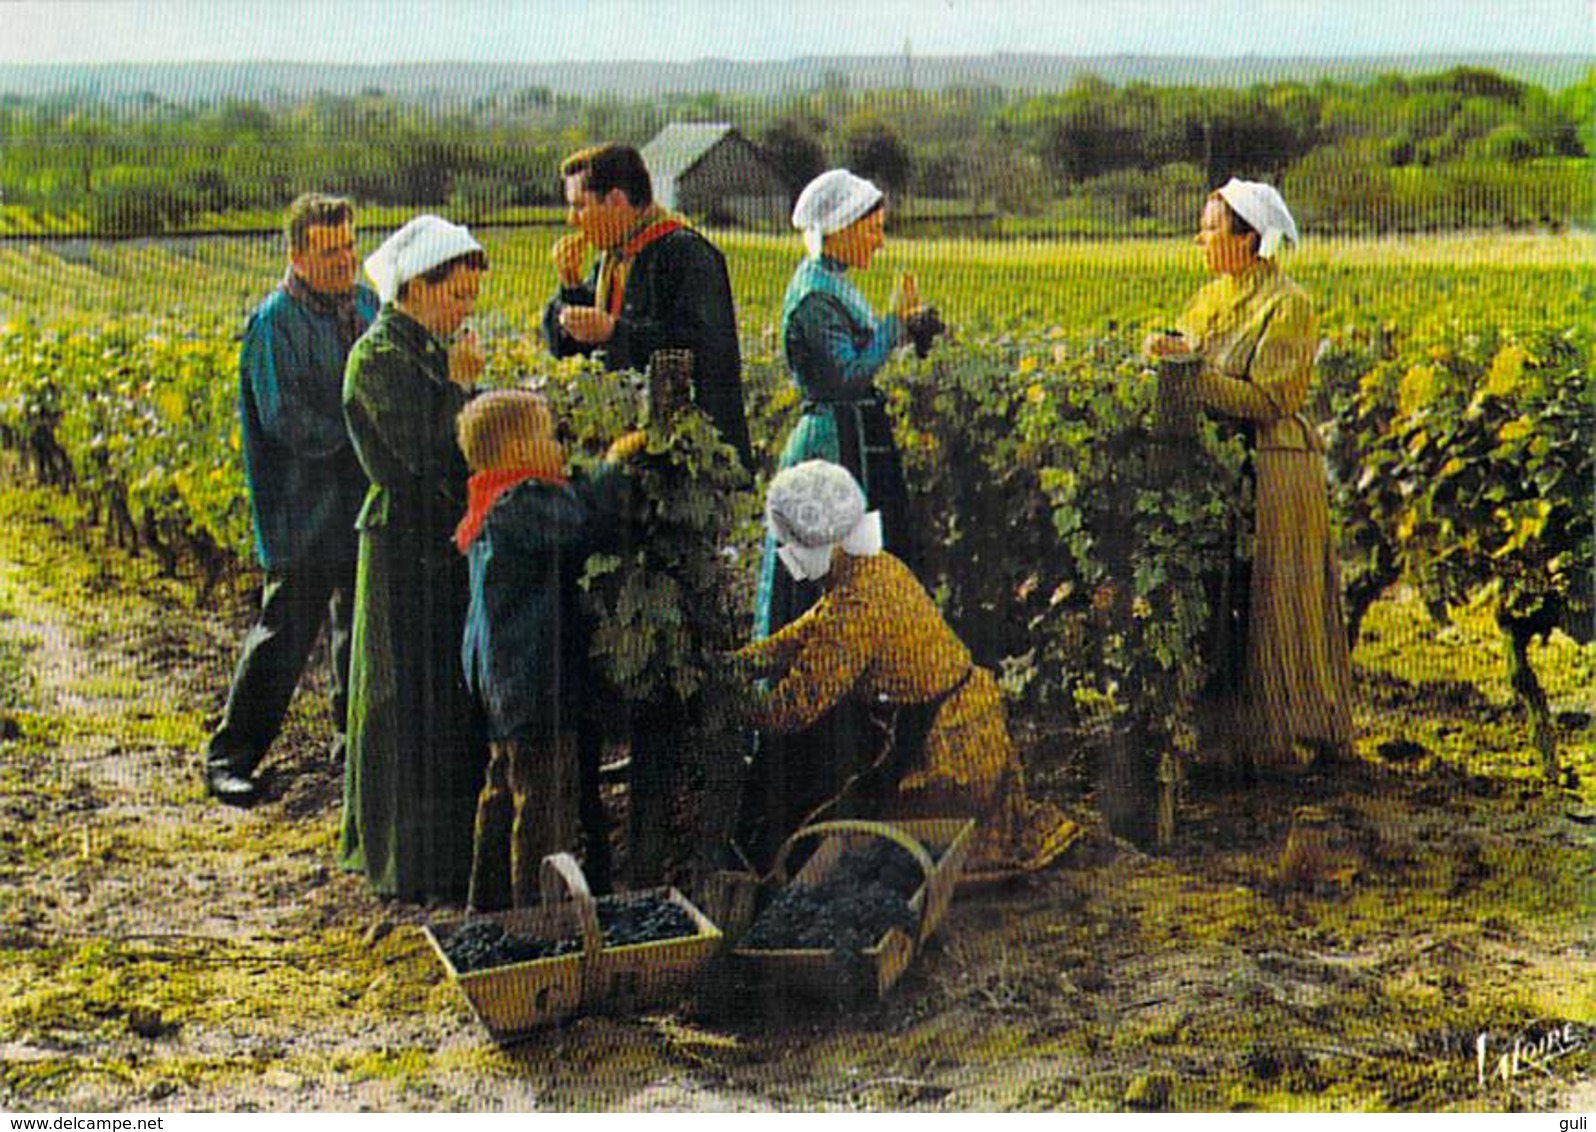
[233,789]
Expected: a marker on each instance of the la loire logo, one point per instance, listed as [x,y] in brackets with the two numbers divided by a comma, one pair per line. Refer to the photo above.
[1528,1051]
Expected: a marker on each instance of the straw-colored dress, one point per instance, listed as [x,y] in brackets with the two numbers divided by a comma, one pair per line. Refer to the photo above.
[1257,334]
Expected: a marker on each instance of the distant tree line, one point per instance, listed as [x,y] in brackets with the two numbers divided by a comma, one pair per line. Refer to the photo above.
[1463,148]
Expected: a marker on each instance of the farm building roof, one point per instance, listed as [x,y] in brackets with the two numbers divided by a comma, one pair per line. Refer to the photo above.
[679,146]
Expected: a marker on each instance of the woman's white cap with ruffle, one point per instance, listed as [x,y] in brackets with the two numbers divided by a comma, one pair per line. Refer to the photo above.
[830,203]
[816,506]
[1263,207]
[415,249]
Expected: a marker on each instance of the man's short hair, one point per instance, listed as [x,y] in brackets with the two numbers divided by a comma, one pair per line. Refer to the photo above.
[315,210]
[612,166]
[491,421]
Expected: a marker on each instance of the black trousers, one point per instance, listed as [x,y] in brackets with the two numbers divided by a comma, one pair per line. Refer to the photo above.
[294,603]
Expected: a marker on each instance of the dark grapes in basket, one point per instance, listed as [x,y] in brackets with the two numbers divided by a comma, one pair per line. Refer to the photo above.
[478,945]
[833,915]
[642,919]
[866,892]
[887,864]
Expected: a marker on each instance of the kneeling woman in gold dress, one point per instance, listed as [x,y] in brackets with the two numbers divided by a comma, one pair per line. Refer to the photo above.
[875,635]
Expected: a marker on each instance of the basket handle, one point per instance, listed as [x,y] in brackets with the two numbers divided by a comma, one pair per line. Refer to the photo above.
[560,871]
[860,825]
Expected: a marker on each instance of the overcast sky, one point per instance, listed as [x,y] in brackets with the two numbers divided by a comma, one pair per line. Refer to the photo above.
[387,31]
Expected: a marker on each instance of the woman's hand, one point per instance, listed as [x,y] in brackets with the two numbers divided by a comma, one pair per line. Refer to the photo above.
[466,359]
[747,664]
[1161,343]
[905,295]
[588,325]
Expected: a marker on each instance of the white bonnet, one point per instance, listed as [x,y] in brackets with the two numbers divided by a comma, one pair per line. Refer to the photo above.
[1261,206]
[815,506]
[415,249]
[830,203]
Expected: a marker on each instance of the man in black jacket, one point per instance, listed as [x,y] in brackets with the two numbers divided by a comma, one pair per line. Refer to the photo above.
[658,284]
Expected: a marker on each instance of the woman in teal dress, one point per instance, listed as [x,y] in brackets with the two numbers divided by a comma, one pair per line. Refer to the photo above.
[834,346]
[416,744]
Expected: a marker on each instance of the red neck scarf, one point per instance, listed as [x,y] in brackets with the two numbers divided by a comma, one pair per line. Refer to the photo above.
[483,490]
[654,224]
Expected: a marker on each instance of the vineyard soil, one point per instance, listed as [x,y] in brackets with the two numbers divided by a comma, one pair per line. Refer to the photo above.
[160,952]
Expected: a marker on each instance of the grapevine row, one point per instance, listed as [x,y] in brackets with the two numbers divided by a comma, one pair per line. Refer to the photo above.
[1071,544]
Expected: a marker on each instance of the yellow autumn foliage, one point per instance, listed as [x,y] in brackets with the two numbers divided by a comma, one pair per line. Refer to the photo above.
[1417,390]
[1507,370]
[1522,523]
[1516,429]
[172,405]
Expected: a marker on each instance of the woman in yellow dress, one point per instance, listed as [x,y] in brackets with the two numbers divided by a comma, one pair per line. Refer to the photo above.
[1256,334]
[876,636]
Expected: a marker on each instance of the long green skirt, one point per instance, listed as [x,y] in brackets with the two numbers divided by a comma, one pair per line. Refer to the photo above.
[416,749]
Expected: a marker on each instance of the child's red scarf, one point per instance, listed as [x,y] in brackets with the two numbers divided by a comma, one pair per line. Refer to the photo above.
[483,490]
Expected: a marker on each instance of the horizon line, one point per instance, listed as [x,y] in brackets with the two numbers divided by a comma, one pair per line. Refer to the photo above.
[1248,56]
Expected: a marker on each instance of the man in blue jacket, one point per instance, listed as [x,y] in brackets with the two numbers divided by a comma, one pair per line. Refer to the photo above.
[305,487]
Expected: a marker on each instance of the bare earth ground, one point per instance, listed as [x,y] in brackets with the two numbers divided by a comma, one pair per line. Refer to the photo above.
[160,952]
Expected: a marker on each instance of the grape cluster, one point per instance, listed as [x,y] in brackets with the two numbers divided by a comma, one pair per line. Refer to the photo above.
[849,910]
[480,944]
[923,325]
[642,919]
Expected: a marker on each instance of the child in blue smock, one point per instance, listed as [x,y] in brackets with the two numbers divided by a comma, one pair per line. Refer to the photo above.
[527,533]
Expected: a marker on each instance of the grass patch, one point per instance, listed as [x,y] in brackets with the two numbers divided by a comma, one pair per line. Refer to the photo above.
[319,980]
[18,690]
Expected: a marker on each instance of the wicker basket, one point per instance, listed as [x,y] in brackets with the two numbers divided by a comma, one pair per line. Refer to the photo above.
[513,999]
[938,846]
[625,979]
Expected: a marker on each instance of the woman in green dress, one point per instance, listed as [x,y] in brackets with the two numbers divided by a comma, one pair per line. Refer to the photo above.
[416,746]
[1256,334]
